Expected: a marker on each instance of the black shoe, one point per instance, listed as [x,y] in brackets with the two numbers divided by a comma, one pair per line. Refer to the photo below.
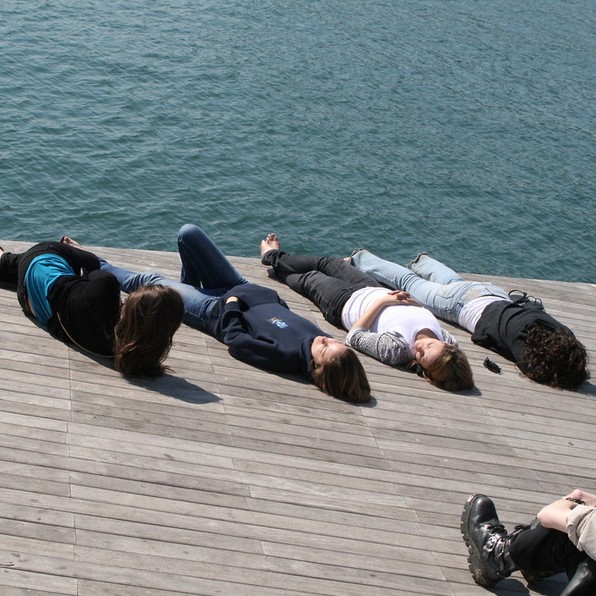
[583,582]
[487,541]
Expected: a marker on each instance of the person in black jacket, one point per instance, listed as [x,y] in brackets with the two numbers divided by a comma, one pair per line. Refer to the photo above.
[562,538]
[544,350]
[62,286]
[252,320]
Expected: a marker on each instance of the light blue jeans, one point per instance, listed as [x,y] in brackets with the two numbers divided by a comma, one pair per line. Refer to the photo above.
[437,287]
[206,275]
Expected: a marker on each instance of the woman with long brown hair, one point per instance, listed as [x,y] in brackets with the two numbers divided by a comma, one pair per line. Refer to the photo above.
[253,321]
[144,334]
[62,287]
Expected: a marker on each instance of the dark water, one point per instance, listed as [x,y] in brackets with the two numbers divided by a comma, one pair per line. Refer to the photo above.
[461,127]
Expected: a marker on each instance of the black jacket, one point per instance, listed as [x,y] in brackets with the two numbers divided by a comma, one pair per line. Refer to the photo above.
[503,327]
[85,306]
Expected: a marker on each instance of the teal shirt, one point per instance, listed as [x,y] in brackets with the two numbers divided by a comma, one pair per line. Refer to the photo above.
[41,275]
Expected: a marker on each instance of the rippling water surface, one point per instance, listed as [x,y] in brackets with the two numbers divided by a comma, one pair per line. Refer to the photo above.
[465,129]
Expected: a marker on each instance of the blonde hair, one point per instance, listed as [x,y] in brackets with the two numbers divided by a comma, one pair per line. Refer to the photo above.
[451,371]
[144,333]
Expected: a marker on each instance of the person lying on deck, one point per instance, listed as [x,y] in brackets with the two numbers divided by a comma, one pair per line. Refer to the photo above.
[521,331]
[61,286]
[252,320]
[386,325]
[562,538]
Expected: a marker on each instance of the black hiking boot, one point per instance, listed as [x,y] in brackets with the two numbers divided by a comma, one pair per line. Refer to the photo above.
[487,541]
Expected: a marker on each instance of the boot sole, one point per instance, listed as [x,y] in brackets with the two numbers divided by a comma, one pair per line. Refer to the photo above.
[480,572]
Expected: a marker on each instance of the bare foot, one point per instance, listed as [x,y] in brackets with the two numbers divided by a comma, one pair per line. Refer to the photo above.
[271,242]
[70,241]
[349,259]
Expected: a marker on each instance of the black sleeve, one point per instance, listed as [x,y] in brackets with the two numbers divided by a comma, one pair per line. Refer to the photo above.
[88,308]
[79,259]
[9,267]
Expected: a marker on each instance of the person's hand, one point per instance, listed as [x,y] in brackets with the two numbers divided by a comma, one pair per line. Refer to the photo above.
[232,299]
[581,495]
[397,297]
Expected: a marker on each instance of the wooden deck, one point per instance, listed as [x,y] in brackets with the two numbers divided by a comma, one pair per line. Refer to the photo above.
[223,479]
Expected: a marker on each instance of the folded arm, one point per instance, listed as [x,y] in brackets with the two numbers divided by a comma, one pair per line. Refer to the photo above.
[389,347]
[392,298]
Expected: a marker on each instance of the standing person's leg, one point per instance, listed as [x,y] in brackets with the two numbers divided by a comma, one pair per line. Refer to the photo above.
[197,303]
[433,270]
[203,263]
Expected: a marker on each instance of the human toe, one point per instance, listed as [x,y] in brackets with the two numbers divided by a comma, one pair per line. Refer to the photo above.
[69,240]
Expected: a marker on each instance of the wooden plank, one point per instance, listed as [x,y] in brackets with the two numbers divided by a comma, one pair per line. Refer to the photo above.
[223,479]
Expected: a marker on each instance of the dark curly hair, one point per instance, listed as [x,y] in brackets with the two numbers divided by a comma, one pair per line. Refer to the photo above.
[554,357]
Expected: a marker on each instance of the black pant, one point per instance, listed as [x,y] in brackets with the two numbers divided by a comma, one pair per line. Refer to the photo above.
[545,552]
[327,281]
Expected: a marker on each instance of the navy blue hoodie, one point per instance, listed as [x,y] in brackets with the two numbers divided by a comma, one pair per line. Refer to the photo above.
[262,331]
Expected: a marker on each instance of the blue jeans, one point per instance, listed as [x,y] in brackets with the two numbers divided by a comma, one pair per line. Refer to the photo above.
[430,282]
[206,275]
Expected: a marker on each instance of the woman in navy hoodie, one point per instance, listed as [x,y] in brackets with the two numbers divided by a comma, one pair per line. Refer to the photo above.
[252,320]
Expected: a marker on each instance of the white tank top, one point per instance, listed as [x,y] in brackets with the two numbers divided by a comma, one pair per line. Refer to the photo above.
[472,311]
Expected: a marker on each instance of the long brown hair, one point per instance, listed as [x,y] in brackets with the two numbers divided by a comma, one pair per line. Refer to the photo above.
[150,317]
[451,371]
[343,377]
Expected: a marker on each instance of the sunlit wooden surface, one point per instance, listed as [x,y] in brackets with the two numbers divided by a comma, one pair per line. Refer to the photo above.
[222,479]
